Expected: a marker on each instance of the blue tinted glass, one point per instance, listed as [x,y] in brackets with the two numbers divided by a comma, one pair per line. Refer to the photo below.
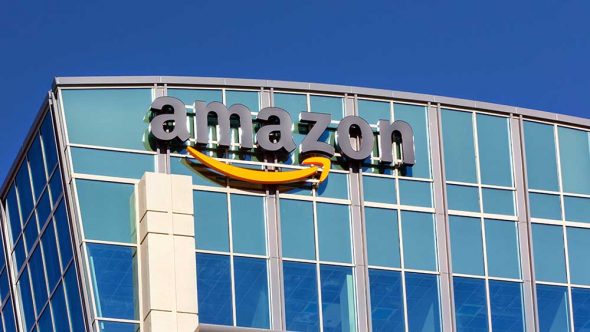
[549,253]
[382,237]
[553,308]
[578,242]
[545,206]
[189,96]
[49,145]
[292,103]
[419,241]
[111,163]
[26,300]
[58,304]
[201,175]
[38,279]
[247,98]
[574,152]
[211,221]
[502,249]
[577,209]
[463,198]
[416,117]
[373,111]
[63,235]
[301,296]
[115,284]
[466,245]
[335,186]
[55,186]
[493,139]
[113,224]
[506,306]
[581,305]
[214,289]
[297,230]
[415,193]
[107,117]
[387,307]
[251,292]
[31,233]
[248,225]
[19,253]
[459,148]
[51,256]
[74,303]
[379,189]
[45,324]
[325,104]
[8,315]
[35,158]
[470,304]
[13,213]
[338,304]
[333,232]
[117,327]
[4,288]
[422,301]
[498,201]
[541,159]
[25,196]
[43,209]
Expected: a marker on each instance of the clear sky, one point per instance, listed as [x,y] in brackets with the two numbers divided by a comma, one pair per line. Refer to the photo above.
[532,54]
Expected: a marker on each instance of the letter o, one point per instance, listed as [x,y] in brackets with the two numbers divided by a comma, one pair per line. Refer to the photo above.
[366,138]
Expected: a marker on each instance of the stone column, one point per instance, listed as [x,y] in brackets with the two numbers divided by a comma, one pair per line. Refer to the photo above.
[167,253]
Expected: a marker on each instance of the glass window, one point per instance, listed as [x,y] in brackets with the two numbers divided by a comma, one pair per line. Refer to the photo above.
[466,245]
[43,209]
[493,139]
[387,304]
[292,103]
[541,161]
[8,315]
[416,116]
[189,96]
[74,302]
[113,270]
[31,233]
[251,292]
[297,229]
[577,209]
[459,148]
[51,256]
[581,305]
[113,224]
[35,158]
[373,111]
[423,302]
[55,186]
[201,175]
[45,324]
[382,237]
[578,240]
[13,213]
[379,189]
[506,306]
[325,104]
[334,232]
[419,241]
[498,201]
[549,253]
[25,196]
[111,163]
[502,249]
[214,289]
[107,117]
[26,299]
[553,308]
[63,234]
[38,279]
[4,288]
[463,198]
[249,99]
[335,186]
[301,296]
[338,299]
[49,144]
[574,152]
[117,327]
[415,193]
[470,304]
[248,226]
[545,206]
[58,304]
[211,221]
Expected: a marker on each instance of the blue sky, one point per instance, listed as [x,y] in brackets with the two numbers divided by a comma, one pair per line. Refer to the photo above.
[526,53]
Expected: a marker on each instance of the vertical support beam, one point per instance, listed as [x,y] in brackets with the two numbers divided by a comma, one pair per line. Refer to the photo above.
[275,269]
[163,156]
[167,253]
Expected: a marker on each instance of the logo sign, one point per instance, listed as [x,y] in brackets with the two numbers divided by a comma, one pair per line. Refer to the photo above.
[354,138]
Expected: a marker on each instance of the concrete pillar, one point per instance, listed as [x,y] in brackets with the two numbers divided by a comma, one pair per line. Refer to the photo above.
[167,253]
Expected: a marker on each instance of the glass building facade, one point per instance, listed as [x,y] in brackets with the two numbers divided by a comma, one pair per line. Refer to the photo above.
[489,230]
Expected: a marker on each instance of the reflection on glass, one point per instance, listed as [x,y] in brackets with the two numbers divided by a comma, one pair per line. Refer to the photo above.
[248,225]
[251,292]
[387,306]
[553,308]
[541,161]
[214,289]
[493,139]
[578,245]
[423,302]
[463,198]
[338,299]
[470,304]
[334,232]
[301,296]
[382,237]
[379,189]
[466,245]
[545,206]
[419,241]
[459,148]
[111,163]
[297,230]
[574,152]
[506,306]
[549,253]
[502,249]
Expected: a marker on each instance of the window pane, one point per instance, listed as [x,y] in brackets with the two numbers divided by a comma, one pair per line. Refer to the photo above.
[45,324]
[297,229]
[189,96]
[541,161]
[545,206]
[201,175]
[38,279]
[25,196]
[419,241]
[416,116]
[107,117]
[63,234]
[470,304]
[330,105]
[246,98]
[292,103]
[422,300]
[117,327]
[549,253]
[111,163]
[335,186]
[248,227]
[211,221]
[506,306]
[58,304]
[74,302]
[415,193]
[387,307]
[301,296]
[577,209]
[382,237]
[502,249]
[13,213]
[26,300]
[214,289]
[574,152]
[113,270]
[373,111]
[498,201]
[8,314]
[493,138]
[581,304]
[251,292]
[338,299]
[466,245]
[463,198]
[459,148]
[378,189]
[35,158]
[116,223]
[552,308]
[49,144]
[334,232]
[578,240]
[55,186]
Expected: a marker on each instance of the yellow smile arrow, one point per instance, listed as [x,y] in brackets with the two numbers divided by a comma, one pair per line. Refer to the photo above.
[262,177]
